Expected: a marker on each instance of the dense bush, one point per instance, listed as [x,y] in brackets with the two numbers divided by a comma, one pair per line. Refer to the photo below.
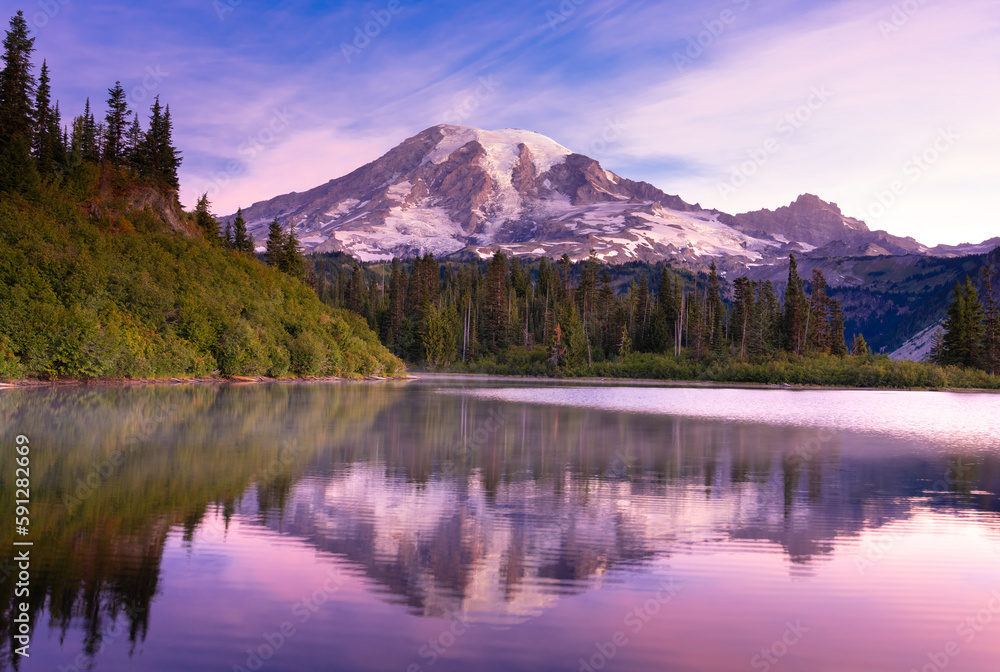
[117,295]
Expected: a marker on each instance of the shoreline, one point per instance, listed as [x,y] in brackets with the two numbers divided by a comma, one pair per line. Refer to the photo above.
[685,383]
[34,383]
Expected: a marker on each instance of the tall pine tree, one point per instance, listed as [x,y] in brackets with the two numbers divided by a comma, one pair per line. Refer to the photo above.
[274,255]
[242,240]
[17,83]
[963,329]
[205,221]
[46,135]
[18,172]
[794,320]
[115,125]
[991,325]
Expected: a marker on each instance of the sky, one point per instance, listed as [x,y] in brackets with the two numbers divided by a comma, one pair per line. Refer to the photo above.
[889,109]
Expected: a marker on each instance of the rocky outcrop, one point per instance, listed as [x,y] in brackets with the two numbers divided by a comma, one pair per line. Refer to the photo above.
[819,224]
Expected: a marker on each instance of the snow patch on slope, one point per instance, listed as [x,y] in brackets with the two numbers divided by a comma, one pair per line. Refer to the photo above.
[427,229]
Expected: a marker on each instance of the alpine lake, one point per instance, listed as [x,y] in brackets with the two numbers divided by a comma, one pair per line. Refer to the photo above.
[448,523]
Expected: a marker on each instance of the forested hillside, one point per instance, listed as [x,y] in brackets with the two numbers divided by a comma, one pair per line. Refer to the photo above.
[102,275]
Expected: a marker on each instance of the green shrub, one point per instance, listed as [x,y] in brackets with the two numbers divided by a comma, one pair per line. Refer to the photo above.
[240,352]
[308,354]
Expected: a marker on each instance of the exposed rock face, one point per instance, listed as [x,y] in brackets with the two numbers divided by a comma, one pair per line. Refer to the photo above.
[821,229]
[807,220]
[165,206]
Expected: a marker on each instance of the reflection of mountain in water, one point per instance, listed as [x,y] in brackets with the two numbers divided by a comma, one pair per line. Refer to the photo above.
[552,499]
[453,504]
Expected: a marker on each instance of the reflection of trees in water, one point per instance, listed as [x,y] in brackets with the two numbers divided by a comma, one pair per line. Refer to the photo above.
[449,502]
[113,469]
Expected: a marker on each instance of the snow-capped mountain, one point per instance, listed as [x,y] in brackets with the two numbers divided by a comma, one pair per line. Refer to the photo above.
[454,189]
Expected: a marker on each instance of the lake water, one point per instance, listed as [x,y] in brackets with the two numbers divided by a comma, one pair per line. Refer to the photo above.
[449,524]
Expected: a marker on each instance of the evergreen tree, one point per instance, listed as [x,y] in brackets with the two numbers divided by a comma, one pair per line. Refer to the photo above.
[293,263]
[664,317]
[160,158]
[46,133]
[860,347]
[793,326]
[59,138]
[572,334]
[83,141]
[643,310]
[227,239]
[17,84]
[134,156]
[205,221]
[242,240]
[18,171]
[767,322]
[495,307]
[356,291]
[964,327]
[990,354]
[696,319]
[115,122]
[715,312]
[274,255]
[837,345]
[818,316]
[397,301]
[743,314]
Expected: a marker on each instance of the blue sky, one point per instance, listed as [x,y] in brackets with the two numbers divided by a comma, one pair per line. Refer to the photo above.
[888,109]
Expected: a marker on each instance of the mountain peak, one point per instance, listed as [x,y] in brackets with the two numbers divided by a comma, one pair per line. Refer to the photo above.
[502,146]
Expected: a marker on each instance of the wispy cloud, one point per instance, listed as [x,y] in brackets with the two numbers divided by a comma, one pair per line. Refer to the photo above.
[571,70]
